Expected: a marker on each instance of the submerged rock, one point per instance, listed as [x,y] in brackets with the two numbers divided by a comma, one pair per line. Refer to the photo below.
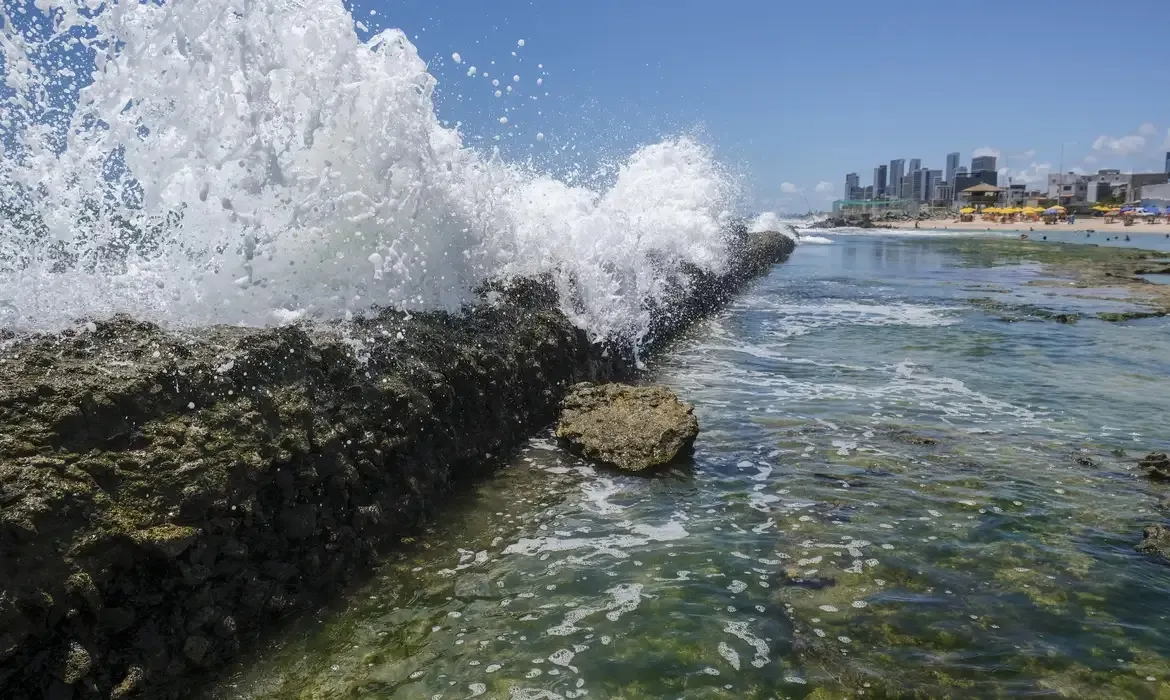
[630,427]
[1155,542]
[1156,466]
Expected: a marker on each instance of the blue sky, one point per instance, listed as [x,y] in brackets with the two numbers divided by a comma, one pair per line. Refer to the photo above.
[794,95]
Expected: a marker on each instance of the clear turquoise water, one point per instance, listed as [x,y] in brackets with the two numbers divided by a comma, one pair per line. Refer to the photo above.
[895,494]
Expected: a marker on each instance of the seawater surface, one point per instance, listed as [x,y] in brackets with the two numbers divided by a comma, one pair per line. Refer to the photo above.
[896,493]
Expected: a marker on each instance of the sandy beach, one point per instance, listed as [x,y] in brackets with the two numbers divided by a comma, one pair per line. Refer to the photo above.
[1082,224]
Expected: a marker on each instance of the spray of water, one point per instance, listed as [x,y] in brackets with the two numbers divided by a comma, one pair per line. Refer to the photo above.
[254,161]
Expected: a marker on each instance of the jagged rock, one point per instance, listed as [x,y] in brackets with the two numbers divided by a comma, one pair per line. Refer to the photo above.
[1156,466]
[130,684]
[630,427]
[76,664]
[1155,542]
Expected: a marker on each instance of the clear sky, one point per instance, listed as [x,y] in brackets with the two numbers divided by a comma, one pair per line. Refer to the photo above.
[797,94]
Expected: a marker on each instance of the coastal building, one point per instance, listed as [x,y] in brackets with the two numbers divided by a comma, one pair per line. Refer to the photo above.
[1107,186]
[1168,162]
[1016,196]
[915,164]
[979,163]
[961,170]
[934,178]
[944,193]
[852,182]
[879,181]
[1138,182]
[981,195]
[1156,196]
[868,191]
[952,166]
[984,177]
[906,187]
[897,170]
[918,185]
[1068,188]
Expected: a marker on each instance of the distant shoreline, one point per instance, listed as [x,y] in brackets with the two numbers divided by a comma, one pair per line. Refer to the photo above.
[1081,226]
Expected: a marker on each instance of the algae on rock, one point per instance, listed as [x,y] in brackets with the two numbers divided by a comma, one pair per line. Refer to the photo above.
[630,427]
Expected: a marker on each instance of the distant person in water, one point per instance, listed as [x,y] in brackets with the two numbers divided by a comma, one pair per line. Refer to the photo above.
[1127,237]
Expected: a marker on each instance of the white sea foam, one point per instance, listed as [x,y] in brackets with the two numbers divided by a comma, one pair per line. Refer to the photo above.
[313,178]
[623,599]
[795,319]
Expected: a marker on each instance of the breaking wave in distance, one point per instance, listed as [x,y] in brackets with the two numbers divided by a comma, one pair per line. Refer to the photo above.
[256,162]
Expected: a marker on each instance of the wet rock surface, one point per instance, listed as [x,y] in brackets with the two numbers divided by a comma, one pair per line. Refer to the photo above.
[1156,465]
[1156,543]
[629,427]
[165,496]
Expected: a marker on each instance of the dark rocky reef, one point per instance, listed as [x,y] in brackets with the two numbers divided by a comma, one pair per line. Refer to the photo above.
[164,496]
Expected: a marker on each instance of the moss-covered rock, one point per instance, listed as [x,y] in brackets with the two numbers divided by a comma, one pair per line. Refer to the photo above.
[630,427]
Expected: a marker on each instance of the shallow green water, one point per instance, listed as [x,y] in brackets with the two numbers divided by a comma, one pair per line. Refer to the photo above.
[896,493]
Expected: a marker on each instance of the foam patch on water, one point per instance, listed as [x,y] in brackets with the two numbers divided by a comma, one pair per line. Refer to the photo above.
[610,544]
[623,599]
[794,319]
[739,629]
[254,162]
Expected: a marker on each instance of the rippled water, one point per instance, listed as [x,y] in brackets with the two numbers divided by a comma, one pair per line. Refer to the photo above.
[895,494]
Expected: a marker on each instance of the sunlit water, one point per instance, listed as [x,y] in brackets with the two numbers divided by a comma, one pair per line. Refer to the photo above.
[895,494]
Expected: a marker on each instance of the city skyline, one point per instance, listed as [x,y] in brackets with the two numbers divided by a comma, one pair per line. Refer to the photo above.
[617,77]
[926,186]
[921,183]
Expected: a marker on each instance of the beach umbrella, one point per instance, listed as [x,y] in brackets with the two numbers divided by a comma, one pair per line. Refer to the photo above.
[967,210]
[1054,210]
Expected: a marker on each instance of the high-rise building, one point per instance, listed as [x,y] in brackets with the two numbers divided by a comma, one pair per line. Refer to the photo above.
[961,170]
[1168,162]
[918,182]
[897,170]
[915,164]
[906,187]
[981,163]
[952,166]
[933,180]
[879,181]
[852,182]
